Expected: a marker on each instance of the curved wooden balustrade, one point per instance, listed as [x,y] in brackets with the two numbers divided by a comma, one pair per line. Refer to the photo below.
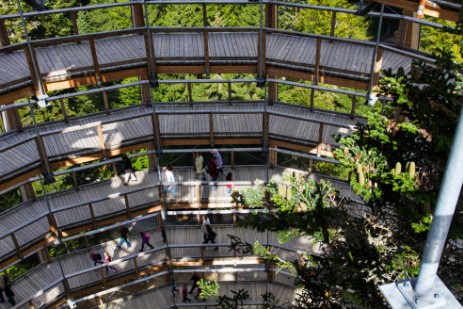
[93,58]
[45,284]
[27,228]
[93,137]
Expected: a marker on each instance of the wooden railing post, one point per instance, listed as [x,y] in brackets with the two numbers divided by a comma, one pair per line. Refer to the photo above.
[127,205]
[312,99]
[138,17]
[42,154]
[92,215]
[211,128]
[16,245]
[106,103]
[35,71]
[316,79]
[230,93]
[27,192]
[320,140]
[190,95]
[96,66]
[333,23]
[135,265]
[352,111]
[75,29]
[271,15]
[75,182]
[205,40]
[272,156]
[63,110]
[101,139]
[4,39]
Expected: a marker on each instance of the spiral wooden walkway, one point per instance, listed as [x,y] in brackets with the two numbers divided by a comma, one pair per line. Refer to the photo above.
[45,284]
[88,59]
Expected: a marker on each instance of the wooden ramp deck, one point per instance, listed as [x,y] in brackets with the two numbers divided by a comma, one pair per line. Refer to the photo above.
[106,202]
[81,274]
[162,297]
[192,124]
[184,52]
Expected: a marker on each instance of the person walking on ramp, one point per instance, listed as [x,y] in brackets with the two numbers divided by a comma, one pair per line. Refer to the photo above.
[145,239]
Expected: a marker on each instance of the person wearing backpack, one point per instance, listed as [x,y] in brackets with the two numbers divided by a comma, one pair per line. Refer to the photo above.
[124,237]
[145,239]
[96,258]
[107,260]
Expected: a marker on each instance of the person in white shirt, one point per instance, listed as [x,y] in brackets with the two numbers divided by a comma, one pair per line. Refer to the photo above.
[171,188]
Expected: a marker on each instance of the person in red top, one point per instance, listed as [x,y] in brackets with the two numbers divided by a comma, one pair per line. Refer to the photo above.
[185,294]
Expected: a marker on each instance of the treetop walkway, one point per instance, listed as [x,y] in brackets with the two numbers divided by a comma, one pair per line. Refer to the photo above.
[75,273]
[27,228]
[91,59]
[25,153]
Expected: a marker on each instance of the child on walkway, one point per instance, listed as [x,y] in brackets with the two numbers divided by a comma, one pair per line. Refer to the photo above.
[229,186]
[185,294]
[107,260]
[145,239]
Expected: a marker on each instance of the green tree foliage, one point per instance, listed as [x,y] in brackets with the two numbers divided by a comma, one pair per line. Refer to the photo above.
[9,199]
[356,252]
[319,21]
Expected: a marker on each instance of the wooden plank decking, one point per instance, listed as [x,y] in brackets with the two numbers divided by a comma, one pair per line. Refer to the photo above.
[140,194]
[63,62]
[66,141]
[80,271]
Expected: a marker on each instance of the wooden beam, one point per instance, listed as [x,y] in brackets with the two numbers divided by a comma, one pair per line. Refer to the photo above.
[96,66]
[4,39]
[431,8]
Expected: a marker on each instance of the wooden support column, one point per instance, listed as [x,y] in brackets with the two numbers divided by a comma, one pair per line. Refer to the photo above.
[16,245]
[352,111]
[312,99]
[157,141]
[101,139]
[4,39]
[206,40]
[63,110]
[379,61]
[75,29]
[272,91]
[271,16]
[190,95]
[211,128]
[150,57]
[43,255]
[42,154]
[106,103]
[320,140]
[145,91]
[317,62]
[265,129]
[75,182]
[27,192]
[138,16]
[333,23]
[37,84]
[230,93]
[11,119]
[409,32]
[127,206]
[96,66]
[92,215]
[273,156]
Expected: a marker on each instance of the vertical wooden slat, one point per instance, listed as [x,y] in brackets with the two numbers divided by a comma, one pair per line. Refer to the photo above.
[27,192]
[96,66]
[379,61]
[74,179]
[4,39]
[312,99]
[352,111]
[232,159]
[320,140]
[190,95]
[75,28]
[229,93]
[63,110]
[205,40]
[138,17]
[157,141]
[53,226]
[101,139]
[106,103]
[92,214]
[35,72]
[42,154]
[333,23]
[16,245]
[271,15]
[127,205]
[211,128]
[273,156]
[135,265]
[317,61]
